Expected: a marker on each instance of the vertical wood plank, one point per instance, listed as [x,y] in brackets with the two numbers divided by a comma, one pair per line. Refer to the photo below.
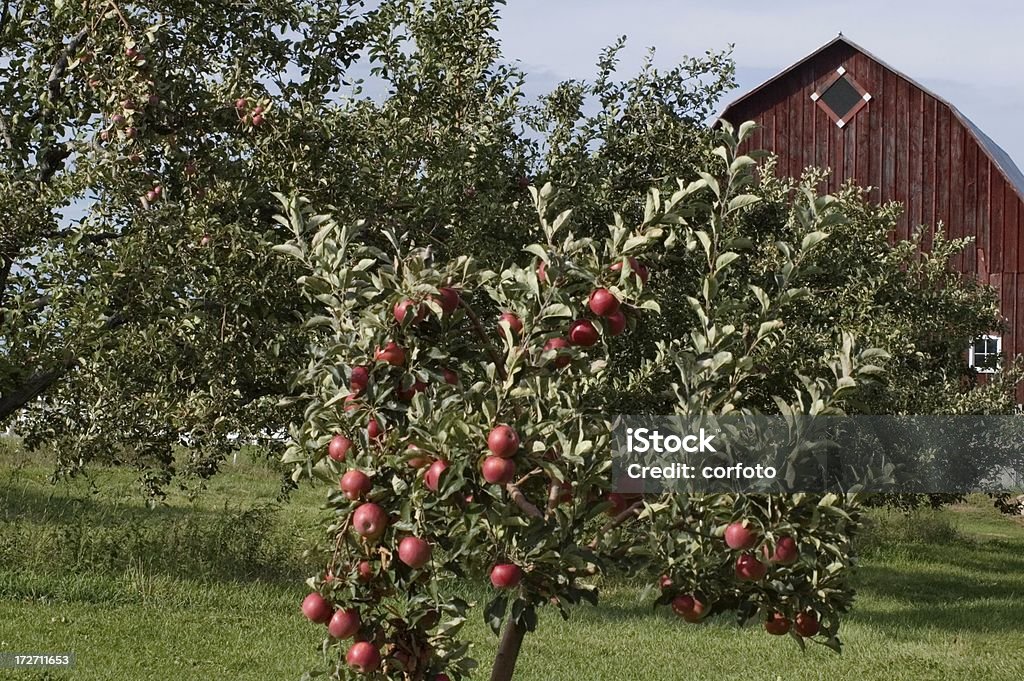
[1010,233]
[983,222]
[901,179]
[956,197]
[942,169]
[928,170]
[998,255]
[915,168]
[970,201]
[888,136]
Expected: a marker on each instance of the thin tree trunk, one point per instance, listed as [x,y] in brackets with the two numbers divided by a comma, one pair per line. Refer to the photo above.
[508,651]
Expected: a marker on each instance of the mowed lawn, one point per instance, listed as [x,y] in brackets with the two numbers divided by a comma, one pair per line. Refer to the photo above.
[208,588]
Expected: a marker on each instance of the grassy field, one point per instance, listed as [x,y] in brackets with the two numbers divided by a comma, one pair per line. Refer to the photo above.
[209,589]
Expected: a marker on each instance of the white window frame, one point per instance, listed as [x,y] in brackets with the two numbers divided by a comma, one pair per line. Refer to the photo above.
[999,352]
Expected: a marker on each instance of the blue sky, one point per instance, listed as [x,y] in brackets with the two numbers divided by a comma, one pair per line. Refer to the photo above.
[971,58]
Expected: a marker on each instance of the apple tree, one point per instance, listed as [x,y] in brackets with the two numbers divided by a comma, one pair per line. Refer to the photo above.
[458,411]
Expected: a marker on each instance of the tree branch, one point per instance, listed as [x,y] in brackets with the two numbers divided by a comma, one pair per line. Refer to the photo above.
[522,502]
[633,510]
[5,273]
[60,67]
[86,238]
[5,132]
[36,385]
[554,496]
[482,334]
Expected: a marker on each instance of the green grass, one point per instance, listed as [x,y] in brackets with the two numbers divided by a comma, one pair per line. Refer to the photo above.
[208,588]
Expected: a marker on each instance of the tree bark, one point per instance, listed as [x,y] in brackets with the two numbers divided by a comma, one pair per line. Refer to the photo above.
[508,651]
[33,387]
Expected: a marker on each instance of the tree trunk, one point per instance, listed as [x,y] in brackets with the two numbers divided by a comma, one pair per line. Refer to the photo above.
[32,388]
[508,651]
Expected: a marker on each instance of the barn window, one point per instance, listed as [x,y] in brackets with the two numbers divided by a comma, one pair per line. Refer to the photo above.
[985,354]
[841,97]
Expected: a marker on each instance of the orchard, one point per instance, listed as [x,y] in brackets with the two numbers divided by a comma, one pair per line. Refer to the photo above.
[437,313]
[505,477]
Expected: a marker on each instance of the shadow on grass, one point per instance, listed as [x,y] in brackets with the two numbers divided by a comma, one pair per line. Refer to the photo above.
[976,586]
[44,536]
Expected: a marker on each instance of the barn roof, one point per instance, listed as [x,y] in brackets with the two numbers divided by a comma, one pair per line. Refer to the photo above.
[997,154]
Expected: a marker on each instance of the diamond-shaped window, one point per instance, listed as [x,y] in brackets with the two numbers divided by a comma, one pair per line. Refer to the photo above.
[841,97]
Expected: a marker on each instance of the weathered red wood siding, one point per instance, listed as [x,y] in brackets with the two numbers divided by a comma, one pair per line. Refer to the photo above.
[909,147]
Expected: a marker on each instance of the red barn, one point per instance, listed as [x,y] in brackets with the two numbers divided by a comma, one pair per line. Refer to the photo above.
[843,108]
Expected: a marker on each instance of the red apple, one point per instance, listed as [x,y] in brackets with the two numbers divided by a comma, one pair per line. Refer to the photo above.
[344,624]
[777,624]
[206,240]
[404,308]
[503,441]
[665,582]
[241,103]
[506,575]
[558,345]
[749,568]
[153,100]
[158,190]
[807,624]
[603,302]
[152,196]
[257,120]
[616,323]
[450,377]
[786,551]
[414,552]
[365,571]
[392,353]
[316,608]
[498,471]
[406,394]
[542,272]
[515,325]
[351,403]
[450,299]
[363,657]
[432,479]
[370,521]
[583,332]
[374,430]
[417,462]
[359,380]
[355,484]
[636,266]
[689,607]
[338,448]
[740,537]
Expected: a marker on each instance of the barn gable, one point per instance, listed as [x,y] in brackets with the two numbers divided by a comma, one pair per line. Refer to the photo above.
[844,109]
